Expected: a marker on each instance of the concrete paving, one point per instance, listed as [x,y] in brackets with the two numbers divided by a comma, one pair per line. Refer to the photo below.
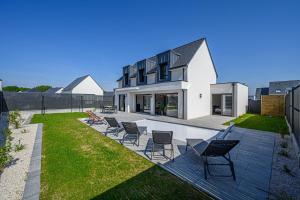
[211,121]
[252,159]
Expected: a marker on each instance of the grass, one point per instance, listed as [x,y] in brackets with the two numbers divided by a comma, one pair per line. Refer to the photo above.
[80,163]
[259,122]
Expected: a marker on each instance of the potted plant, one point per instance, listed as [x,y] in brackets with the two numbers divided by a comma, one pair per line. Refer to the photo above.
[162,108]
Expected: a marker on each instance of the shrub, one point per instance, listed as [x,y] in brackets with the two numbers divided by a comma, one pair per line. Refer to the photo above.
[8,133]
[284,196]
[5,157]
[15,119]
[284,144]
[284,153]
[19,146]
[287,170]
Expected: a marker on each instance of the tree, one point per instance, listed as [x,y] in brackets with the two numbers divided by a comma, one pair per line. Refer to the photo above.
[42,88]
[13,88]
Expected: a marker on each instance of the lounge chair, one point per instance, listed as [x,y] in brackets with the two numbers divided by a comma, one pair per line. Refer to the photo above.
[223,134]
[93,118]
[131,131]
[215,148]
[112,124]
[160,139]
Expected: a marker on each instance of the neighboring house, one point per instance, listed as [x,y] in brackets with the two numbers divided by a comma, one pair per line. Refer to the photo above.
[55,90]
[84,85]
[282,87]
[179,82]
[261,91]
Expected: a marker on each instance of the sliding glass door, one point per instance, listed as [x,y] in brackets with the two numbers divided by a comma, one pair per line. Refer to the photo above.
[143,103]
[122,102]
[166,104]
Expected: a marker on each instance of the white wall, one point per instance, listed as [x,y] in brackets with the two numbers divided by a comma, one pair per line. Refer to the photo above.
[59,91]
[88,86]
[177,74]
[242,99]
[201,75]
[222,88]
[151,78]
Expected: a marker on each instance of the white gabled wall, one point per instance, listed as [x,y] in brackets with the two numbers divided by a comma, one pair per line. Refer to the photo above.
[88,86]
[242,99]
[201,75]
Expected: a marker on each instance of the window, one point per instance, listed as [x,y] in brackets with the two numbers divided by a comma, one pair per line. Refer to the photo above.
[141,75]
[126,79]
[163,71]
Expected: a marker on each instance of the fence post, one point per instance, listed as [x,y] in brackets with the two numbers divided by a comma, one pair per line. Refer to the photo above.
[293,103]
[43,106]
[71,103]
[81,103]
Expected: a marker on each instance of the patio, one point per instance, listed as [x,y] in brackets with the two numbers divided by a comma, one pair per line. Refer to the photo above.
[252,159]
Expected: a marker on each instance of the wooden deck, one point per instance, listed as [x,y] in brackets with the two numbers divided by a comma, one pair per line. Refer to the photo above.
[252,160]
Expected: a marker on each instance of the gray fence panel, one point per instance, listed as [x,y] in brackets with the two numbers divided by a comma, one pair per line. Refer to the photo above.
[254,106]
[292,101]
[39,101]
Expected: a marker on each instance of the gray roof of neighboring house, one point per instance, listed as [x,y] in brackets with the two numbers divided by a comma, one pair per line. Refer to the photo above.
[281,87]
[73,84]
[53,90]
[32,90]
[185,52]
[261,91]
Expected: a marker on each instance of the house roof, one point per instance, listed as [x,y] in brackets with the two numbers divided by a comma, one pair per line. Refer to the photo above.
[53,90]
[133,75]
[73,84]
[185,52]
[120,78]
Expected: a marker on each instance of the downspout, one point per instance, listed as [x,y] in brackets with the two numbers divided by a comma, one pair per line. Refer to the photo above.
[233,100]
[182,103]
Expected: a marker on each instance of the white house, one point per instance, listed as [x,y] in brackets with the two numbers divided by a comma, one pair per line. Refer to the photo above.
[180,82]
[55,90]
[84,85]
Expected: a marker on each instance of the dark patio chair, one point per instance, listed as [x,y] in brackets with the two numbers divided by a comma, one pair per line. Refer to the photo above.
[112,124]
[160,139]
[131,131]
[216,148]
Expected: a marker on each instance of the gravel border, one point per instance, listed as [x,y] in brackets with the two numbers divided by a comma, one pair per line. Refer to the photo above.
[32,186]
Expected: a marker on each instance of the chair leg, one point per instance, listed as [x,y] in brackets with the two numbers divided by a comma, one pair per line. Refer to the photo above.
[122,141]
[232,169]
[152,152]
[172,151]
[205,168]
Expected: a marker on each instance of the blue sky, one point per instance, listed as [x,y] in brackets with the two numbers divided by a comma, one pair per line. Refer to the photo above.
[53,42]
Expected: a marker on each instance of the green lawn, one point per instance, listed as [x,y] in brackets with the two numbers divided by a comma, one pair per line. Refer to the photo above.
[259,122]
[80,163]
